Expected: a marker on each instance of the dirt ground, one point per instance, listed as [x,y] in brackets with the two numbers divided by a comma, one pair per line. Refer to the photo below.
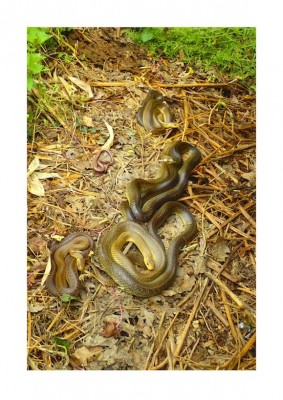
[206,319]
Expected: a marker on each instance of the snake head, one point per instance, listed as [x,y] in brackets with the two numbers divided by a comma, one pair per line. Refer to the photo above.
[80,259]
[150,264]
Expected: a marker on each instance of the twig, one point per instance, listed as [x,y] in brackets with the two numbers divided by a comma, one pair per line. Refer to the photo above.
[217,313]
[238,355]
[190,85]
[188,324]
[236,299]
[155,339]
[186,112]
[162,340]
[229,316]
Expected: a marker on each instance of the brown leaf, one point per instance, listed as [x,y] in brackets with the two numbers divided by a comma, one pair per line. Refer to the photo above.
[110,329]
[250,176]
[35,186]
[87,121]
[84,354]
[187,284]
[200,264]
[82,85]
[37,244]
[220,250]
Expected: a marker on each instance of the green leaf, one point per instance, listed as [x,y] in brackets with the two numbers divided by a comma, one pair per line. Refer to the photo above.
[30,82]
[34,63]
[63,343]
[146,35]
[37,36]
[66,298]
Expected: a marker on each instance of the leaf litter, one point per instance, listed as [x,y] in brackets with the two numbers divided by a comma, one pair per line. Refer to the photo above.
[196,324]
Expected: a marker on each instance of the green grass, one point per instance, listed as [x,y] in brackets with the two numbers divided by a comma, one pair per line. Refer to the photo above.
[231,51]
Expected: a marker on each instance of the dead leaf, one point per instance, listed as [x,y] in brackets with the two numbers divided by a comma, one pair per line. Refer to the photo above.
[37,244]
[87,121]
[34,308]
[47,175]
[69,88]
[82,85]
[34,185]
[33,166]
[109,143]
[46,272]
[250,176]
[99,94]
[84,354]
[200,264]
[148,317]
[187,284]
[220,250]
[110,329]
[168,293]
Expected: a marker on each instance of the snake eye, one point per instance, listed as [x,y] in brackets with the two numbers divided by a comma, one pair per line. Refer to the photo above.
[150,265]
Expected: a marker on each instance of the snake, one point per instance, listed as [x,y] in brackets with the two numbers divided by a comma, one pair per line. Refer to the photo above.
[145,283]
[67,258]
[154,114]
[144,197]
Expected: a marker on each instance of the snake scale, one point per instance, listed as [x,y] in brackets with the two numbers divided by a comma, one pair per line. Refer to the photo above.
[149,204]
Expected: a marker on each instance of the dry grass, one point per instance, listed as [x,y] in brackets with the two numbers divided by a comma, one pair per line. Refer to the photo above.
[206,320]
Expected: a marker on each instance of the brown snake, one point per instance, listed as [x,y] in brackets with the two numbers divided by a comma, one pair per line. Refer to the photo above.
[67,257]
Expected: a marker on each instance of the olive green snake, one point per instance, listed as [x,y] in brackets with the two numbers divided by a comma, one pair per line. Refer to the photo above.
[149,204]
[154,114]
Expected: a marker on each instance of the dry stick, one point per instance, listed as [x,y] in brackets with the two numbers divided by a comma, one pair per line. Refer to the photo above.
[193,350]
[182,302]
[191,85]
[215,267]
[221,270]
[186,112]
[114,84]
[229,316]
[29,332]
[161,342]
[188,324]
[237,356]
[250,204]
[207,215]
[236,299]
[234,150]
[247,216]
[154,341]
[217,313]
[161,365]
[241,233]
[57,316]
